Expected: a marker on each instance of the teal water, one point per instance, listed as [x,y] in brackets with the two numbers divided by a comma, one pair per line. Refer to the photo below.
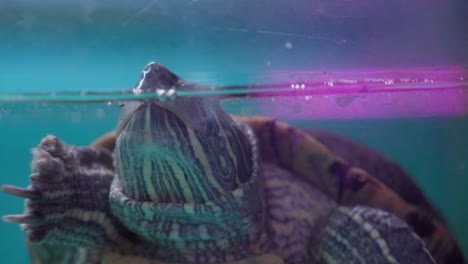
[55,46]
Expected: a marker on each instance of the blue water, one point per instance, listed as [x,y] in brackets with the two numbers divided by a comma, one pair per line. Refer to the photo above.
[54,46]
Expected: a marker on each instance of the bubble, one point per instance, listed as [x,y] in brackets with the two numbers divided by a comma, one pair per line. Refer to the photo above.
[288,45]
[297,86]
[171,93]
[136,91]
[160,92]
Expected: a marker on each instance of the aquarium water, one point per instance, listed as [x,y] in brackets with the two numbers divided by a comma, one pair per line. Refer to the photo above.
[390,74]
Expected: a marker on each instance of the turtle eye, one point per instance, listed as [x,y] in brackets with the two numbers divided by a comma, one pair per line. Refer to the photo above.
[121,105]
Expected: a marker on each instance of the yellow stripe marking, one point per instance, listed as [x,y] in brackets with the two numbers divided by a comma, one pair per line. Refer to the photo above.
[96,217]
[147,168]
[345,242]
[200,155]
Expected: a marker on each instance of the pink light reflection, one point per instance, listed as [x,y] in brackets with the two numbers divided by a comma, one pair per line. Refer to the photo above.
[441,91]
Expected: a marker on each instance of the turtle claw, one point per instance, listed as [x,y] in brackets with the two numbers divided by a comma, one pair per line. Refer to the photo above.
[28,219]
[21,192]
[52,145]
[37,178]
[47,166]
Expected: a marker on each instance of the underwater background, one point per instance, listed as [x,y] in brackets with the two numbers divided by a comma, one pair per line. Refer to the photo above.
[407,60]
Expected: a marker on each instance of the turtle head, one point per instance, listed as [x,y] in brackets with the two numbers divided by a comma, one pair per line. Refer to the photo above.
[186,172]
[178,150]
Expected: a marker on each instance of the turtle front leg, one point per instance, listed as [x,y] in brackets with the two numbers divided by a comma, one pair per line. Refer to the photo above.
[67,201]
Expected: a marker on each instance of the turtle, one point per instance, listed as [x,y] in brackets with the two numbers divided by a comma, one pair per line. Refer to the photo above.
[182,181]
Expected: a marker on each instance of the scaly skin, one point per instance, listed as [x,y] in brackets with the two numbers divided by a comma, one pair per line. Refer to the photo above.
[290,227]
